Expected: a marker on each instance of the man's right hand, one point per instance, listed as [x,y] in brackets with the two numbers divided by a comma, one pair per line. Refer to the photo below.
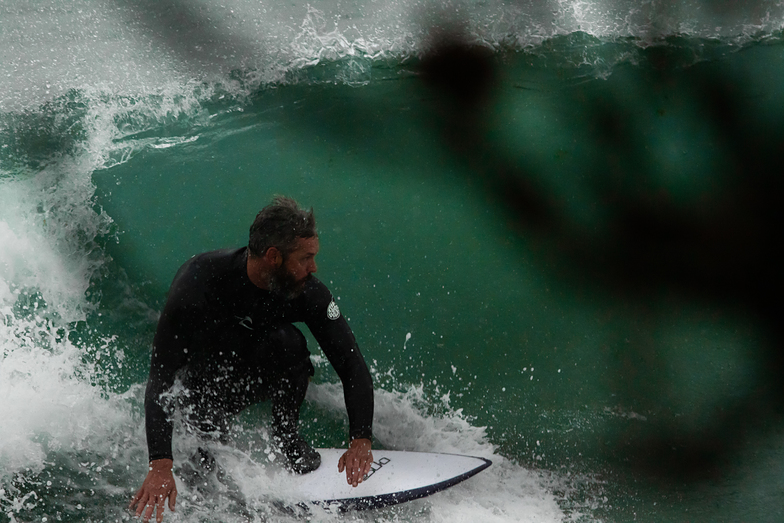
[157,486]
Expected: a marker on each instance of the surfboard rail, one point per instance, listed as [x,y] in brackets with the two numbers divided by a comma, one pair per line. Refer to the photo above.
[383,470]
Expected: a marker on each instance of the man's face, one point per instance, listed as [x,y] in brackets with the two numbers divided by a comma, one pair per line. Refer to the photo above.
[289,279]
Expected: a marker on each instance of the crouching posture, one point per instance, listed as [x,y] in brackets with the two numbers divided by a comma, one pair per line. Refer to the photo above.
[226,334]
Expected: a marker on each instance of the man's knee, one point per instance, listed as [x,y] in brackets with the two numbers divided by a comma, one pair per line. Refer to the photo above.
[288,338]
[289,349]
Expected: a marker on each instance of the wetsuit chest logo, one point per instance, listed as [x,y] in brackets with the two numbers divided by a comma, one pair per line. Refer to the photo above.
[333,312]
[246,322]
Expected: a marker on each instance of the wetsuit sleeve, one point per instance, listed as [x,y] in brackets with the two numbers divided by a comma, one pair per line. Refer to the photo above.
[339,345]
[169,354]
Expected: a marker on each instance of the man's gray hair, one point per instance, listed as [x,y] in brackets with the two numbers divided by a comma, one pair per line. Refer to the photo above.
[278,225]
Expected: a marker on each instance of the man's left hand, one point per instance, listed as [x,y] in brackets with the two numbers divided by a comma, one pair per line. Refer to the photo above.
[356,461]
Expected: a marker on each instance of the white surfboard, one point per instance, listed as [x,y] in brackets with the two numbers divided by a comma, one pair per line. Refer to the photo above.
[395,477]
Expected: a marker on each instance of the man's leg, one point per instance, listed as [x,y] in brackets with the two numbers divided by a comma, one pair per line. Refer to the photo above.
[287,388]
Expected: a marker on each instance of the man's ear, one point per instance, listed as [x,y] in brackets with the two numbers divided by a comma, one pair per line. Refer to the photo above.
[274,257]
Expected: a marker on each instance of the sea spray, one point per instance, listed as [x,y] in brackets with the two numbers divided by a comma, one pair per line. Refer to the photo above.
[49,49]
[63,432]
[505,492]
[53,408]
[86,92]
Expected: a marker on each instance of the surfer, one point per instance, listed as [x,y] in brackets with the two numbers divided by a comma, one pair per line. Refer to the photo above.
[226,335]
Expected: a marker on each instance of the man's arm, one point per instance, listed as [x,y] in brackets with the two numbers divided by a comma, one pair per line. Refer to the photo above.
[169,354]
[339,345]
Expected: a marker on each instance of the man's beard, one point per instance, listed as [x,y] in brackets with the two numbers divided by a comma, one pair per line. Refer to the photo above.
[283,283]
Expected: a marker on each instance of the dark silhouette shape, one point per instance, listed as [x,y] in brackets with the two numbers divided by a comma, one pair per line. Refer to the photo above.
[724,252]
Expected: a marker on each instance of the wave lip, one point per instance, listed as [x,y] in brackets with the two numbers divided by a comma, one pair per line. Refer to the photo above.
[128,48]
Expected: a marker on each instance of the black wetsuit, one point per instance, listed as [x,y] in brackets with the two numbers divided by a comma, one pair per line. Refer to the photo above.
[232,344]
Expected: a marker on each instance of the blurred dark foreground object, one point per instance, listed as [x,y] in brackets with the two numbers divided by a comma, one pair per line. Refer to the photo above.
[722,252]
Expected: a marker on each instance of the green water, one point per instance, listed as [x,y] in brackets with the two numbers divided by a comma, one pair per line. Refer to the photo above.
[558,251]
[566,376]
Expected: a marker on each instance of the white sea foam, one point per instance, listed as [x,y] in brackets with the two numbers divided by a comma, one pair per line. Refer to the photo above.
[52,402]
[131,78]
[48,403]
[46,398]
[505,492]
[48,48]
[40,230]
[52,405]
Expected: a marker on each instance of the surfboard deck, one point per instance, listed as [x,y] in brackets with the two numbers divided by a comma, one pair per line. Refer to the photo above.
[395,477]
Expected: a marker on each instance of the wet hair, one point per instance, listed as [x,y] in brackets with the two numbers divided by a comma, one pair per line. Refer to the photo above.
[278,225]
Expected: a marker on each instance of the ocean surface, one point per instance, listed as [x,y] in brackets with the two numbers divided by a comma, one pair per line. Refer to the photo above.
[551,225]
